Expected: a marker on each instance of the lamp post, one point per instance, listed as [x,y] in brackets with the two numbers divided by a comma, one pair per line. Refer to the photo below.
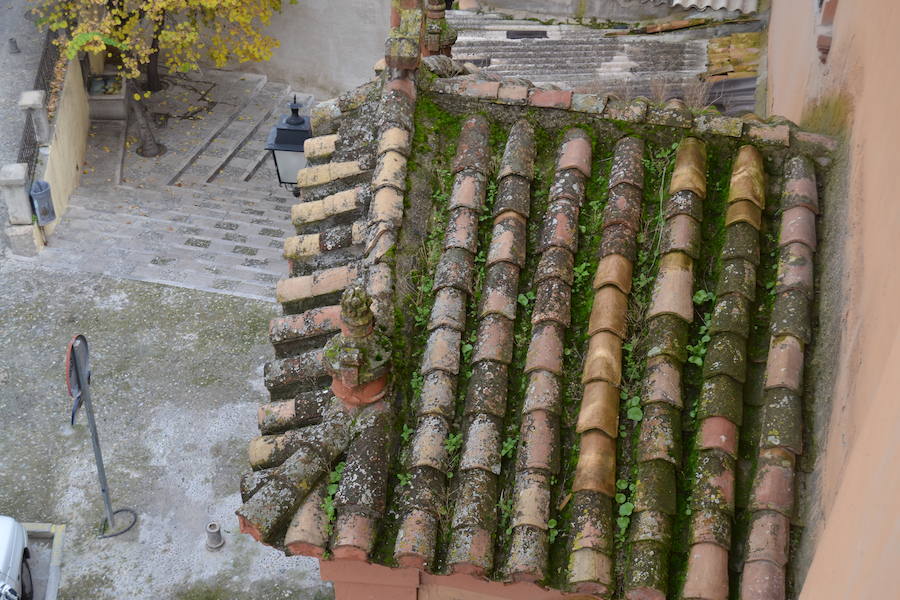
[285,141]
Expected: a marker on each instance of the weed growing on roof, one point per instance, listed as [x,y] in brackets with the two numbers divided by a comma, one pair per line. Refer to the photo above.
[506,508]
[697,351]
[334,478]
[403,479]
[406,433]
[509,444]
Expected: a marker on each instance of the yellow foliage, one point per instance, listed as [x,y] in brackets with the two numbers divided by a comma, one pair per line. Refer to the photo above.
[186,30]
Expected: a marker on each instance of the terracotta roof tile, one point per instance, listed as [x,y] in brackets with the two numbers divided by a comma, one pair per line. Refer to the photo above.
[720,396]
[673,289]
[732,315]
[462,230]
[552,302]
[785,365]
[618,239]
[738,276]
[518,156]
[495,340]
[305,289]
[438,394]
[782,421]
[532,501]
[482,89]
[718,433]
[307,533]
[331,206]
[513,194]
[762,580]
[726,355]
[416,540]
[663,382]
[647,577]
[596,468]
[612,305]
[685,202]
[448,310]
[628,166]
[500,289]
[623,207]
[650,526]
[442,351]
[768,538]
[589,103]
[545,352]
[681,234]
[472,146]
[659,435]
[798,224]
[321,174]
[293,329]
[592,521]
[487,389]
[668,336]
[555,263]
[319,148]
[707,573]
[765,133]
[508,240]
[575,152]
[470,552]
[711,526]
[791,316]
[543,392]
[773,484]
[390,171]
[689,173]
[655,489]
[795,268]
[604,359]
[614,269]
[590,572]
[482,446]
[285,376]
[513,94]
[741,241]
[539,447]
[528,554]
[599,408]
[427,448]
[476,488]
[748,177]
[468,191]
[455,269]
[387,206]
[550,98]
[394,139]
[353,537]
[800,185]
[744,211]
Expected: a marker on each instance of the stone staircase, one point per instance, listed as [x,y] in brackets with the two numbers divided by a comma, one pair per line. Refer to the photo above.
[208,215]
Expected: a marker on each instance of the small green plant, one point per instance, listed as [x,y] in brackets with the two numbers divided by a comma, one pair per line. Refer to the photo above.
[406,433]
[697,351]
[506,508]
[453,443]
[509,444]
[553,531]
[526,298]
[633,409]
[404,479]
[334,478]
[703,296]
[582,272]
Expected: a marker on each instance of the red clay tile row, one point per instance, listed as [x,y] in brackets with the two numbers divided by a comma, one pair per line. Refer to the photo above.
[772,493]
[474,518]
[591,561]
[671,311]
[720,406]
[538,450]
[428,464]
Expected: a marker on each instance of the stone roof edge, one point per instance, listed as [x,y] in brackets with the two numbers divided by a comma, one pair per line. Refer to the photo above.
[774,132]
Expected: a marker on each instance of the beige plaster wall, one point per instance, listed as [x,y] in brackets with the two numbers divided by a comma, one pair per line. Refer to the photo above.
[327,47]
[67,145]
[857,515]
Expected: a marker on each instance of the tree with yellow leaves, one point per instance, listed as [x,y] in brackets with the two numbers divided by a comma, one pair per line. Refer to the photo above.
[180,33]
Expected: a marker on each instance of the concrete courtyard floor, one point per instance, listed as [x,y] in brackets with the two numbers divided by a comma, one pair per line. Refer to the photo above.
[177,377]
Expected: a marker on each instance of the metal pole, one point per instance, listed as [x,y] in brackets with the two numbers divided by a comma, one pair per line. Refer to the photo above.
[95,438]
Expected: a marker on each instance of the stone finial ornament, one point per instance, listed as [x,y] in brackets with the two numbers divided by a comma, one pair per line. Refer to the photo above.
[358,359]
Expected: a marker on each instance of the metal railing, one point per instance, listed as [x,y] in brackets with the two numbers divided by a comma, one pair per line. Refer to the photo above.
[28,149]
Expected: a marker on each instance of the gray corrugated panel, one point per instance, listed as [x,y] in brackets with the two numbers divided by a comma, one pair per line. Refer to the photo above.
[745,6]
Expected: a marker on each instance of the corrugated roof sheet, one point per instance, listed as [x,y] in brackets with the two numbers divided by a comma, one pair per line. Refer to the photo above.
[745,6]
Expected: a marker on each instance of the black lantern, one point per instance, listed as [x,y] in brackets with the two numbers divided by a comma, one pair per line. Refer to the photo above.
[286,143]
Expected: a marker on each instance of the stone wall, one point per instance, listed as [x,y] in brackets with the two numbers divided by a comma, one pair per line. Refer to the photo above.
[602,10]
[853,490]
[326,47]
[62,166]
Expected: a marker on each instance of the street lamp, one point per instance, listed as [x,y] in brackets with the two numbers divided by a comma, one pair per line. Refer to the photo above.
[286,143]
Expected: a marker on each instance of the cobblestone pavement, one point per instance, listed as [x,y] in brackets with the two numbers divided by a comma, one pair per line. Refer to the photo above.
[177,378]
[208,214]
